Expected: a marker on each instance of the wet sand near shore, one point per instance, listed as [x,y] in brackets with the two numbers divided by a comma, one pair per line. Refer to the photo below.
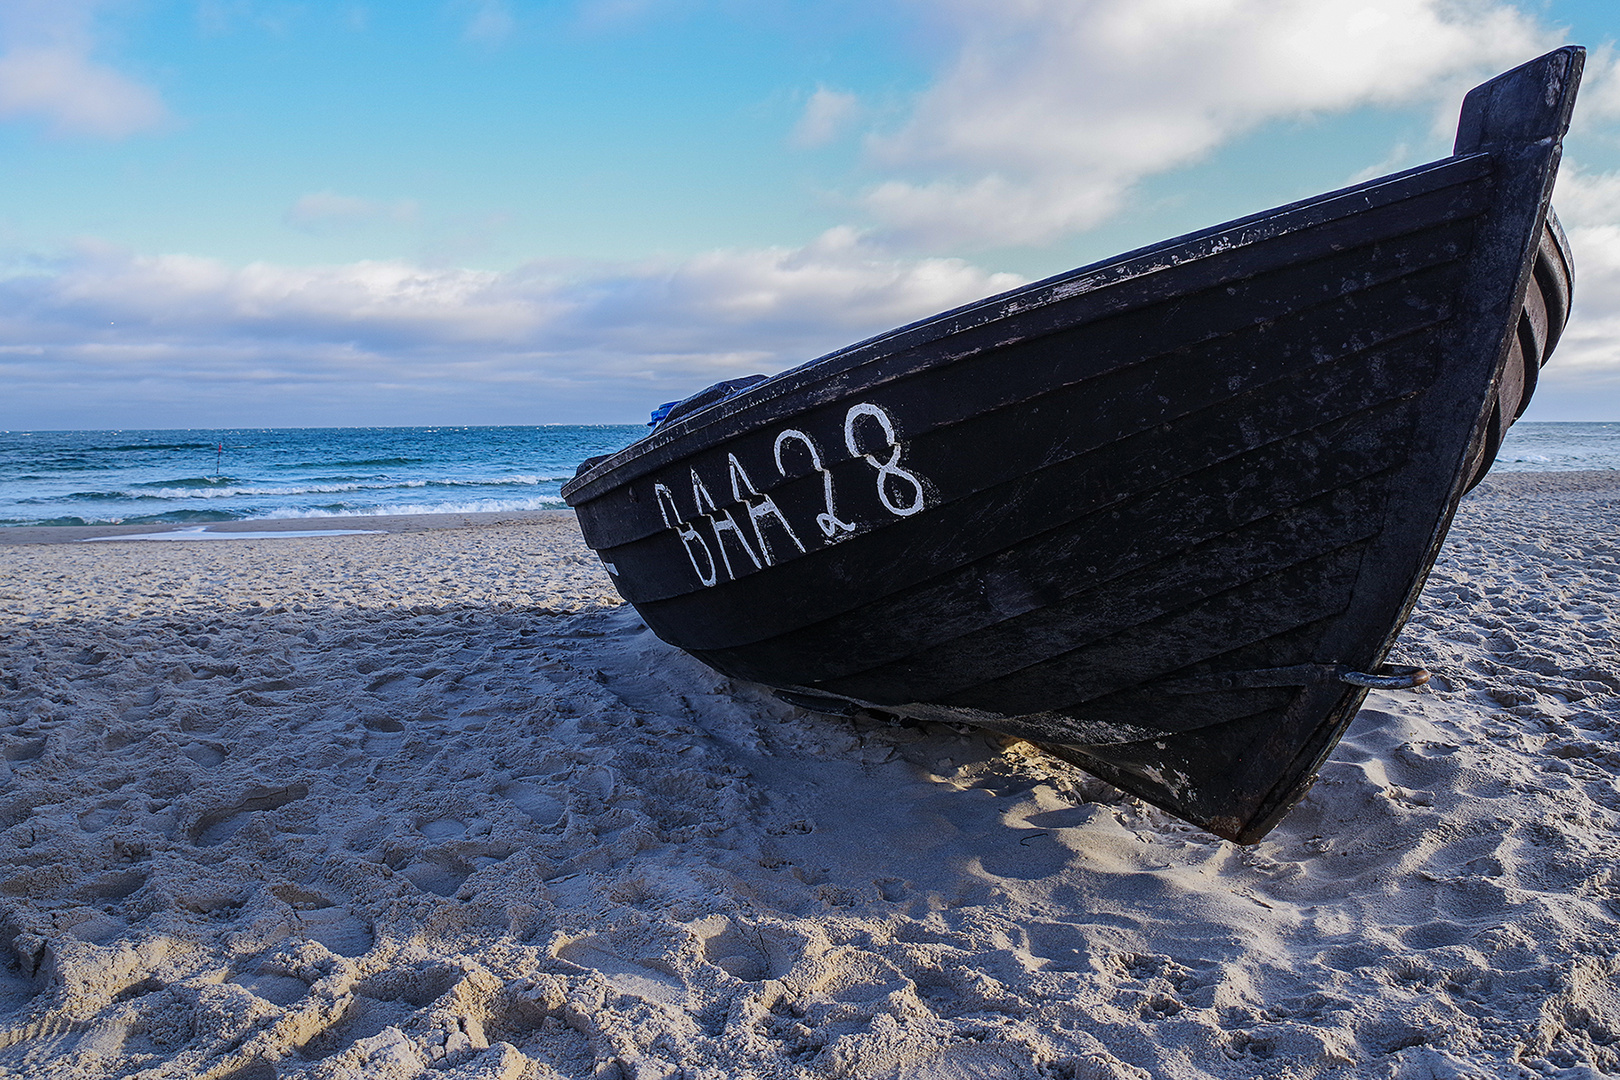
[389,523]
[431,802]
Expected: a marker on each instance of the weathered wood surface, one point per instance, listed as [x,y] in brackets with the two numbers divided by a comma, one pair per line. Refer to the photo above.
[1045,512]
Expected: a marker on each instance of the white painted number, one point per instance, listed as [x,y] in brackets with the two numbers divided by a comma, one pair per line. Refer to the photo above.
[830,523]
[887,470]
[900,491]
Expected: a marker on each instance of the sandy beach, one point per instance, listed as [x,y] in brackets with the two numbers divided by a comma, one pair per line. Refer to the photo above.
[431,801]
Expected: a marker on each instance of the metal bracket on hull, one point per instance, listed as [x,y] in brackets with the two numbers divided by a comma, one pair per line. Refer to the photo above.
[1396,678]
[1385,678]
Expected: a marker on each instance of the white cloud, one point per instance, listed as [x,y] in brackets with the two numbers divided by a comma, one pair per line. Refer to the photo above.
[542,342]
[276,17]
[1586,199]
[1583,376]
[1051,110]
[1399,157]
[48,72]
[1600,91]
[826,115]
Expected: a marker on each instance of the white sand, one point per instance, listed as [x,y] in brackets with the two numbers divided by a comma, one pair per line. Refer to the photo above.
[430,803]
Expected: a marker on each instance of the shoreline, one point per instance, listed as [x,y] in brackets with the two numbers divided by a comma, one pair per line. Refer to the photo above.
[378,523]
[1550,481]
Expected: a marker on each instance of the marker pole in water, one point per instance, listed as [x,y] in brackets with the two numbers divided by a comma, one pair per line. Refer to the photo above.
[219,459]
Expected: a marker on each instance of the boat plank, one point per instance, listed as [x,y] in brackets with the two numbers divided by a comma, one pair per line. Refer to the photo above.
[1350,436]
[1161,583]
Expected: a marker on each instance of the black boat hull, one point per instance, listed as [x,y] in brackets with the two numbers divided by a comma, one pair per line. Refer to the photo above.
[1147,513]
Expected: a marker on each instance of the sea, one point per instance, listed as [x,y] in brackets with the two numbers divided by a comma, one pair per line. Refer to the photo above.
[202,475]
[198,476]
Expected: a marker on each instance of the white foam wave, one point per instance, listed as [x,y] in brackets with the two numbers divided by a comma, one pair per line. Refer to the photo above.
[201,532]
[470,506]
[282,491]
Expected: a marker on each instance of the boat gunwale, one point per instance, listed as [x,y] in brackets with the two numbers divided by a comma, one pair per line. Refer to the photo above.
[1351,351]
[1135,265]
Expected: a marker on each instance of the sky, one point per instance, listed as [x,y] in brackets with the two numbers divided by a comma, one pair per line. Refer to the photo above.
[253,213]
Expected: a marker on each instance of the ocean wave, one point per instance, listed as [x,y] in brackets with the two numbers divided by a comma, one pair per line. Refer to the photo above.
[471,506]
[79,496]
[150,446]
[368,463]
[174,491]
[192,482]
[169,494]
[48,469]
[180,516]
[102,476]
[169,518]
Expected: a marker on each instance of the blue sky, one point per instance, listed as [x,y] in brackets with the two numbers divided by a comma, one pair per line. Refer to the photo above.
[252,212]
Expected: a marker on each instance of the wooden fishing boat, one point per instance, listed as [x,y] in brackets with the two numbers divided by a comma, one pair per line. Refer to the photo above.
[1163,515]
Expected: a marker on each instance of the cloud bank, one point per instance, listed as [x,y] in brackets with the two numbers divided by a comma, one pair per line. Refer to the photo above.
[542,343]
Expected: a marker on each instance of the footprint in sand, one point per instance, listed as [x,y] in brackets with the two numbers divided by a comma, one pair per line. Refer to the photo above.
[749,953]
[387,999]
[267,980]
[101,815]
[98,920]
[633,977]
[21,960]
[528,1013]
[443,829]
[214,827]
[540,806]
[1435,934]
[23,749]
[994,1059]
[417,986]
[321,919]
[893,890]
[442,875]
[113,886]
[97,927]
[1061,946]
[206,754]
[381,722]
